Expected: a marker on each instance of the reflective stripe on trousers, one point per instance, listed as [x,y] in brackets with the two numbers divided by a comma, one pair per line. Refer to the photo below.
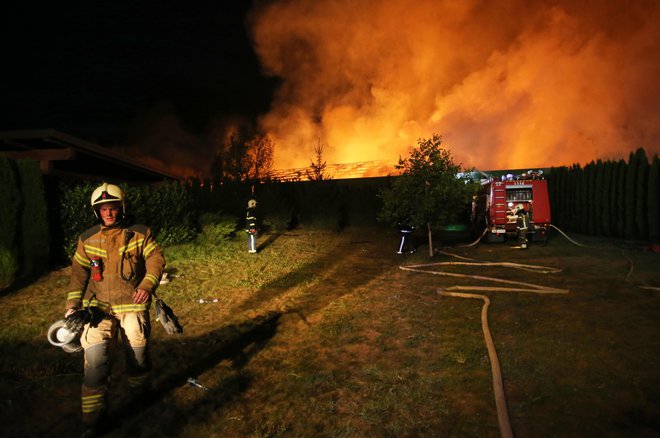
[99,343]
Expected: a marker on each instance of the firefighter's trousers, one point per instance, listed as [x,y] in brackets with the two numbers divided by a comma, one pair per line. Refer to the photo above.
[406,243]
[523,228]
[99,343]
[252,242]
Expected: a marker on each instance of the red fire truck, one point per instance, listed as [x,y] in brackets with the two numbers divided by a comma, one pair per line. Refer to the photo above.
[491,209]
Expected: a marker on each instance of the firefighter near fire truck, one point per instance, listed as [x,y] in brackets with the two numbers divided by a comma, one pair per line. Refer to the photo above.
[513,206]
[115,271]
[520,216]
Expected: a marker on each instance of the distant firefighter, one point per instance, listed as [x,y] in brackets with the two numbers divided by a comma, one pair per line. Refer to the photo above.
[252,226]
[407,243]
[522,224]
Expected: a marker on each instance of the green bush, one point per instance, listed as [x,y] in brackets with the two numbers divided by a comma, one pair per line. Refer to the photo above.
[167,208]
[216,227]
[8,267]
[76,214]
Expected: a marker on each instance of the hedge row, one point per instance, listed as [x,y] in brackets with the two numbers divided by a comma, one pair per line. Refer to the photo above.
[24,232]
[608,198]
[615,199]
[165,207]
[327,204]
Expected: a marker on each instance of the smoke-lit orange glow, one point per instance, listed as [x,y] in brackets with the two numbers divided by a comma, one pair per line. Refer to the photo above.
[508,84]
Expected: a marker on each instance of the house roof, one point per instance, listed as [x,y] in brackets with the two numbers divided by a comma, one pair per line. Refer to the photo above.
[64,155]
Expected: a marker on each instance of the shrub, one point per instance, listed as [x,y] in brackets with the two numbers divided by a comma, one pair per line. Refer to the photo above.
[8,267]
[216,227]
[166,208]
[75,214]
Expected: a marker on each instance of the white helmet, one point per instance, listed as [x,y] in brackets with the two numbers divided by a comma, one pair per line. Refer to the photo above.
[252,203]
[60,336]
[107,193]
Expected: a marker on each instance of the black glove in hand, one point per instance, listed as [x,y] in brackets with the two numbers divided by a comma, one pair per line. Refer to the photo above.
[77,320]
[167,318]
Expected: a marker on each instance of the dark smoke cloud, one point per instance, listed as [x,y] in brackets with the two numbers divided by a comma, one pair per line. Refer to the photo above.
[161,139]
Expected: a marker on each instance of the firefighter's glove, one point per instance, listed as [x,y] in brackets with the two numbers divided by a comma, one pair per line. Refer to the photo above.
[167,318]
[77,320]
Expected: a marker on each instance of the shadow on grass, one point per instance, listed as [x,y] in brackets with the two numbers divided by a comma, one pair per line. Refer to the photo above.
[269,241]
[19,284]
[236,343]
[348,266]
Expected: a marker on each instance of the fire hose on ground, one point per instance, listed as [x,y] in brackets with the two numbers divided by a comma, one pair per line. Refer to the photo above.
[551,226]
[630,262]
[498,387]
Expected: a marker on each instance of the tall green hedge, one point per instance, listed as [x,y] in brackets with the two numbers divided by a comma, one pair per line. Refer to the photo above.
[34,239]
[653,194]
[10,201]
[641,188]
[611,198]
[75,215]
[629,229]
[167,208]
[621,198]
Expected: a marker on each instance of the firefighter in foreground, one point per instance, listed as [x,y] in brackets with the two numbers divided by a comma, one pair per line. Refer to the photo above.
[114,273]
[252,226]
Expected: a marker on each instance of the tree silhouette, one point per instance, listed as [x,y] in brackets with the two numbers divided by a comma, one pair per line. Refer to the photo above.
[316,171]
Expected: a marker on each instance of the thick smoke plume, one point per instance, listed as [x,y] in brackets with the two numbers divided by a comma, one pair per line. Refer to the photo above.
[508,84]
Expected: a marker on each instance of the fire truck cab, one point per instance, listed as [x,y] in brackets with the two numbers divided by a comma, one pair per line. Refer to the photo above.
[492,207]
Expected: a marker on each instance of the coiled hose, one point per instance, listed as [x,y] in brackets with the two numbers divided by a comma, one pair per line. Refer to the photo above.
[498,387]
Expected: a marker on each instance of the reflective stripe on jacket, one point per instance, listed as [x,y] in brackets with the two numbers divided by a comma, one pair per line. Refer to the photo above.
[130,259]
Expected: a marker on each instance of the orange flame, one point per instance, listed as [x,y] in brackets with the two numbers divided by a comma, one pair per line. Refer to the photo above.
[508,84]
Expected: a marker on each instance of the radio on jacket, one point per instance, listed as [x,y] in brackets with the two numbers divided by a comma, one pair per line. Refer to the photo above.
[97,268]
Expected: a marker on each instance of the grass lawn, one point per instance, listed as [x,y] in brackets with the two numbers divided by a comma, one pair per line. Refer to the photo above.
[321,334]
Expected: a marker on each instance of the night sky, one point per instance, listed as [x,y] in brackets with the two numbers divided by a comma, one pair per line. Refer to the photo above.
[92,69]
[507,84]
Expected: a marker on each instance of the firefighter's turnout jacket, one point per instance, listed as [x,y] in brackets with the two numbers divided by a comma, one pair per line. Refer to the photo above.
[251,221]
[130,259]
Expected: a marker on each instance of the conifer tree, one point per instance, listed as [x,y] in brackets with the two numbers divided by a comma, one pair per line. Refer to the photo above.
[620,222]
[598,193]
[630,230]
[653,202]
[583,205]
[316,171]
[641,188]
[561,198]
[606,190]
[573,187]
